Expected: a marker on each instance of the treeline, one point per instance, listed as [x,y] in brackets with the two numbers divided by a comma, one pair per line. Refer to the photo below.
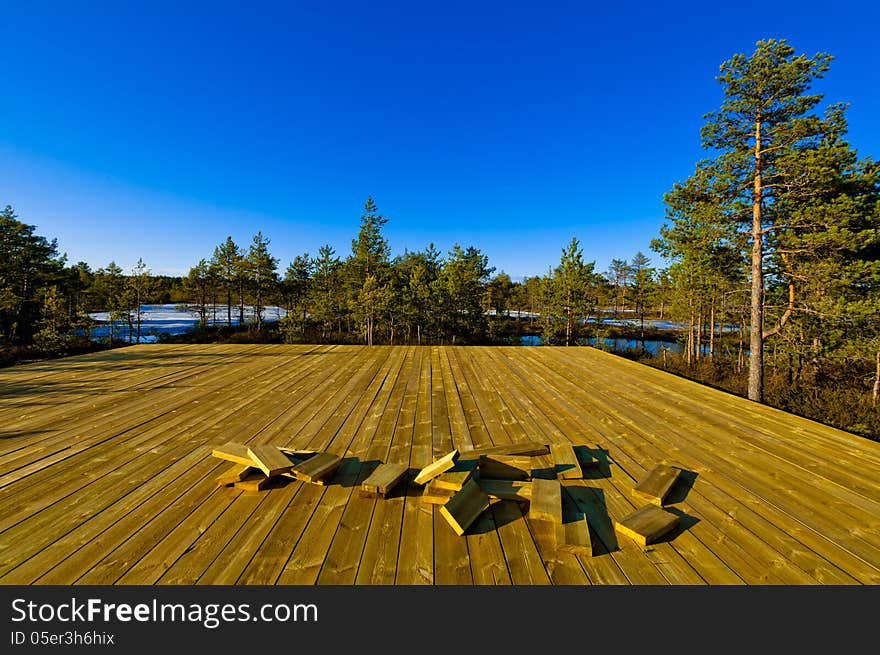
[45,303]
[366,296]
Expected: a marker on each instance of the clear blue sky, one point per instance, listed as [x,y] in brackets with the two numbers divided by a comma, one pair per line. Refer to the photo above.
[157,130]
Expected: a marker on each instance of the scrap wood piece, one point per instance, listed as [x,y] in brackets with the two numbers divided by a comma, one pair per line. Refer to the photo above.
[270,460]
[505,467]
[528,449]
[316,469]
[453,480]
[657,484]
[573,535]
[256,481]
[506,489]
[234,452]
[464,507]
[647,524]
[565,461]
[433,495]
[437,467]
[236,473]
[546,501]
[383,479]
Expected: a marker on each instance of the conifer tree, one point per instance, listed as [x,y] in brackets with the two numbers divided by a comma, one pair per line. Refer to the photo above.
[261,268]
[567,295]
[368,271]
[762,134]
[227,258]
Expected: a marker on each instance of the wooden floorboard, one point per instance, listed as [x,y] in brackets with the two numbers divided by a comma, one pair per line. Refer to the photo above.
[106,473]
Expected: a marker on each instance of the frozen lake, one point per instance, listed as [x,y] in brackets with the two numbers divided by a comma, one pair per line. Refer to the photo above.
[174,319]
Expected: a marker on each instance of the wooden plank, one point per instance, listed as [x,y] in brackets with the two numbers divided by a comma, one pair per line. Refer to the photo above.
[506,489]
[234,452]
[317,469]
[520,550]
[256,481]
[527,449]
[236,473]
[379,554]
[384,478]
[437,467]
[464,507]
[546,501]
[270,460]
[566,463]
[505,467]
[574,537]
[647,524]
[417,553]
[655,486]
[434,495]
[452,480]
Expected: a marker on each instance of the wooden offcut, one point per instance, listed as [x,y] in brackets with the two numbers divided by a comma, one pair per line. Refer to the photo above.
[464,507]
[453,480]
[657,484]
[256,481]
[433,495]
[382,480]
[317,469]
[647,524]
[234,452]
[236,473]
[506,489]
[546,501]
[527,449]
[270,460]
[505,467]
[566,462]
[437,467]
[574,537]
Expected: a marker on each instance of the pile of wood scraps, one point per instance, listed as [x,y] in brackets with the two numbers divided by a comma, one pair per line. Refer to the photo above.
[465,484]
[256,466]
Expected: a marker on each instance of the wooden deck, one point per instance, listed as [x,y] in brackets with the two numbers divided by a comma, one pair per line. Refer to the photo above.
[106,475]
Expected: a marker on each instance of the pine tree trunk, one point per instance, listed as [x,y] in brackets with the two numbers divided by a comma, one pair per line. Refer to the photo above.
[229,306]
[690,339]
[756,324]
[698,350]
[258,310]
[241,303]
[740,346]
[712,329]
[875,392]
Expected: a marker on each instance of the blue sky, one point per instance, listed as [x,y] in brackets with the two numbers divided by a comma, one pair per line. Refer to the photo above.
[156,129]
